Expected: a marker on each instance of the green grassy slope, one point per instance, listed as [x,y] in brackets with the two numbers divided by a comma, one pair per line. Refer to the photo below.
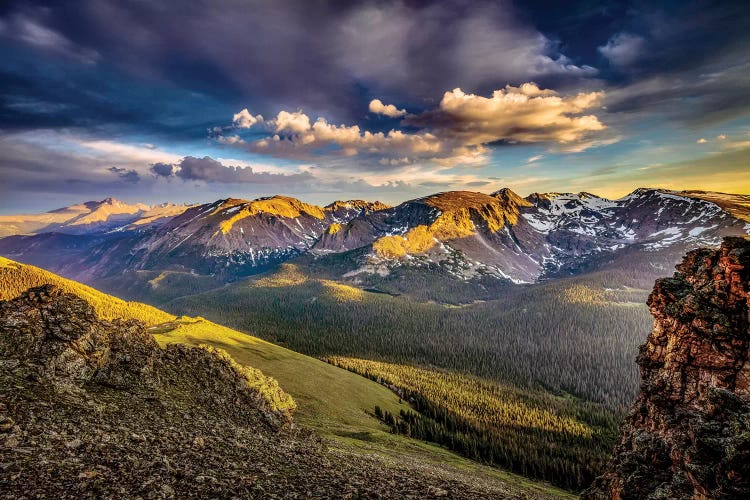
[330,398]
[16,278]
[334,402]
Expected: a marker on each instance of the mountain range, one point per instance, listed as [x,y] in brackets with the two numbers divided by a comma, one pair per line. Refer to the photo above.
[484,239]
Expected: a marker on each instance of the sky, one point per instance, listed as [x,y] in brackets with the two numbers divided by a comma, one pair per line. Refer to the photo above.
[187,102]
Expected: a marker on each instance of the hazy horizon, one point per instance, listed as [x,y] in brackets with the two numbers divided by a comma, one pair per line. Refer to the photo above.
[36,207]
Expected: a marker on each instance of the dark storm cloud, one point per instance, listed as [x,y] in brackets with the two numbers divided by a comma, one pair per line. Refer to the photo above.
[175,67]
[686,62]
[163,169]
[323,57]
[127,175]
[37,92]
[210,170]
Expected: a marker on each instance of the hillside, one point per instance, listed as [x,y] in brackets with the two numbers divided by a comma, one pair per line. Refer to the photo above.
[101,404]
[574,335]
[335,403]
[564,349]
[16,278]
[537,434]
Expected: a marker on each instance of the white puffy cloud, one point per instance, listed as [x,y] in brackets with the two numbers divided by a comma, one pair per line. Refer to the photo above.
[702,140]
[295,123]
[244,119]
[297,136]
[377,107]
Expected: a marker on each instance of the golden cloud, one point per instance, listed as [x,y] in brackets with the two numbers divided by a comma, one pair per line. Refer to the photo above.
[519,114]
[456,132]
[377,107]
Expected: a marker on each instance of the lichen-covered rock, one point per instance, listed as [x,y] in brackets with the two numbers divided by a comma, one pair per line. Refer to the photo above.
[58,337]
[688,434]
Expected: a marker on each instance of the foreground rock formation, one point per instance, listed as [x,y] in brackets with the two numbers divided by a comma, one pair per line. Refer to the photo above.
[96,409]
[688,434]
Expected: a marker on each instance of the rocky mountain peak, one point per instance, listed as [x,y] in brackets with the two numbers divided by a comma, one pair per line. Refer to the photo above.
[643,191]
[280,206]
[369,206]
[508,196]
[468,208]
[453,200]
[688,434]
[110,202]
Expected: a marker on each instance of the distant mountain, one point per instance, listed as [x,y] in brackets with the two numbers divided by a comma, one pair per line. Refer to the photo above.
[459,235]
[89,217]
[234,236]
[470,230]
[736,204]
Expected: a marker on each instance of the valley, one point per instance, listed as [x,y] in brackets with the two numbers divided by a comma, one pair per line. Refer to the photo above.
[441,309]
[333,402]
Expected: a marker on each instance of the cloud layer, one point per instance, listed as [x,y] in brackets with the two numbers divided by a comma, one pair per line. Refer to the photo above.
[371,96]
[457,131]
[209,170]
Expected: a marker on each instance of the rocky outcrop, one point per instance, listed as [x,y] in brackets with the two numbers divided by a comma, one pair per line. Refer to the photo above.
[688,434]
[57,338]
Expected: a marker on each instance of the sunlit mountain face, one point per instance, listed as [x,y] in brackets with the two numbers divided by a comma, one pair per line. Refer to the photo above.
[168,102]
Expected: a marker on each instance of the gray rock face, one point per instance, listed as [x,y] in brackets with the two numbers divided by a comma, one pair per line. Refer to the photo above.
[688,434]
[61,338]
[57,338]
